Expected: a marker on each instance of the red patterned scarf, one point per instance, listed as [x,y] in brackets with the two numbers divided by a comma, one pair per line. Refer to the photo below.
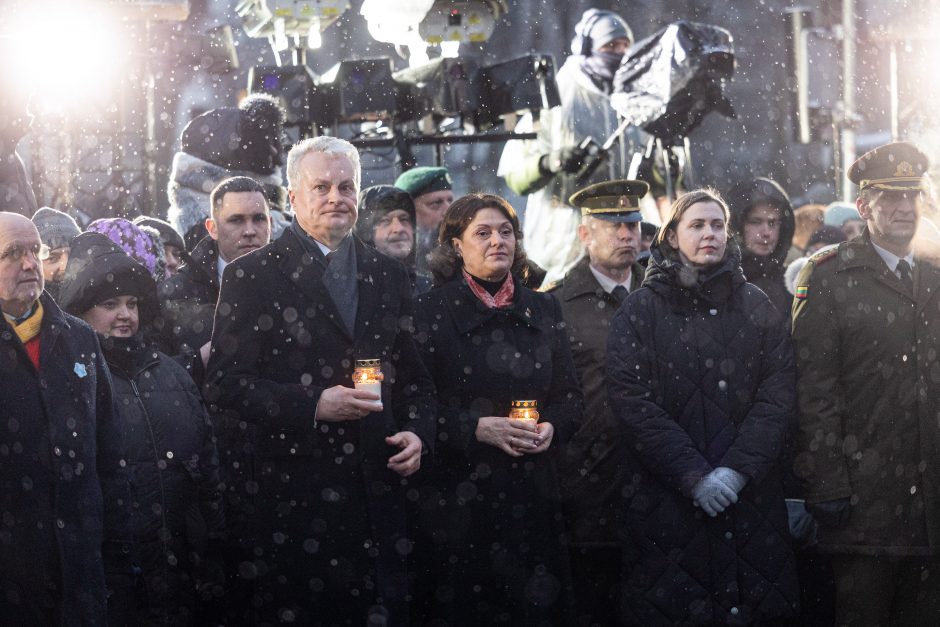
[501,299]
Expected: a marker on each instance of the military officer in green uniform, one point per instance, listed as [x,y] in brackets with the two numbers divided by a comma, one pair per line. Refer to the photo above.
[589,295]
[866,332]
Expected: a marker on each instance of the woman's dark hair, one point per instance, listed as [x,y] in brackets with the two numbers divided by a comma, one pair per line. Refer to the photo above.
[682,204]
[445,264]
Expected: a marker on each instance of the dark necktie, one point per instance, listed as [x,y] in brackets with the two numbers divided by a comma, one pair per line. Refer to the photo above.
[619,293]
[904,272]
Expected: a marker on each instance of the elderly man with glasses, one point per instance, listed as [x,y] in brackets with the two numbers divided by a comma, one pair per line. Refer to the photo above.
[59,452]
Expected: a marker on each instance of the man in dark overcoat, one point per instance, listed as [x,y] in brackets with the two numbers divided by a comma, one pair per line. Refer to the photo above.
[315,471]
[239,223]
[866,327]
[59,450]
[592,464]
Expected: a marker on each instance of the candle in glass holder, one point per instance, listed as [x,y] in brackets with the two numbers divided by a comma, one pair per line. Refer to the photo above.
[526,412]
[368,376]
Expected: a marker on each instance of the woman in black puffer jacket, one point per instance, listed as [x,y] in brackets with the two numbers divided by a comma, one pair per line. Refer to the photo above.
[167,438]
[700,374]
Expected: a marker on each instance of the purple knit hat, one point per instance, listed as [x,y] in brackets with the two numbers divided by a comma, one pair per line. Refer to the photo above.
[135,242]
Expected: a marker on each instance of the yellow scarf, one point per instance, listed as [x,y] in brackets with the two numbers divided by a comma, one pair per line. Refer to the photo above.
[29,328]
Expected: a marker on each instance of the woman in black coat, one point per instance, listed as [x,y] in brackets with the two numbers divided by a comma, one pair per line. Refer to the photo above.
[701,376]
[490,543]
[168,447]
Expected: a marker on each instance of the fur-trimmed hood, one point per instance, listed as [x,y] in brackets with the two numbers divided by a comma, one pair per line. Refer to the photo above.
[193,179]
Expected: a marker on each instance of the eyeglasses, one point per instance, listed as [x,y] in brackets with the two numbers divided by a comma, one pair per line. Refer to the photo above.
[16,252]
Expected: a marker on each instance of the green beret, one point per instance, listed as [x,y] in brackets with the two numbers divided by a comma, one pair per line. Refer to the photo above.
[898,166]
[424,180]
[616,201]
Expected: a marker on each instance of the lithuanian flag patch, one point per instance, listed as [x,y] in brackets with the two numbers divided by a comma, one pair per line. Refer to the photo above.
[802,291]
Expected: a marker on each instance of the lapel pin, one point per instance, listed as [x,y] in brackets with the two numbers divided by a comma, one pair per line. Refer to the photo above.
[80,370]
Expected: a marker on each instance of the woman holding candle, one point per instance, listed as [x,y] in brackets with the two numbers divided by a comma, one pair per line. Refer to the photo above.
[700,373]
[490,539]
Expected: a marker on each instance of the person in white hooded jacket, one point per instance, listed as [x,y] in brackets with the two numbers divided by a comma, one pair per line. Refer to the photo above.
[545,168]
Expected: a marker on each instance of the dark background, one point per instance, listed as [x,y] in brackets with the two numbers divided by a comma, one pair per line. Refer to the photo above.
[99,164]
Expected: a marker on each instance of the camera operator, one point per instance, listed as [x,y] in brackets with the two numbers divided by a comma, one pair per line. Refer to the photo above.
[546,168]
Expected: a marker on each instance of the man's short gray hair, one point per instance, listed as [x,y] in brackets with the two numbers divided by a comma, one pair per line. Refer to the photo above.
[325,144]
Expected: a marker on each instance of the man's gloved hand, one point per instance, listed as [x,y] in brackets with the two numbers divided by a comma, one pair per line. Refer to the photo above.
[832,514]
[731,478]
[569,159]
[802,525]
[713,495]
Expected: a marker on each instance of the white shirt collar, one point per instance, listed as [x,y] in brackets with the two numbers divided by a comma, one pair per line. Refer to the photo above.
[891,260]
[608,283]
[220,264]
[326,250]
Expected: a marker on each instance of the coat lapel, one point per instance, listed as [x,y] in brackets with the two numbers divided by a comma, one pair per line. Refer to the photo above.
[53,322]
[466,309]
[926,281]
[469,313]
[527,310]
[370,285]
[205,261]
[636,277]
[861,253]
[306,274]
[580,281]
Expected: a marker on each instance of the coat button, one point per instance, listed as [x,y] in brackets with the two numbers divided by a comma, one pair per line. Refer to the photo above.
[60,523]
[728,535]
[713,312]
[734,611]
[722,385]
[126,548]
[57,451]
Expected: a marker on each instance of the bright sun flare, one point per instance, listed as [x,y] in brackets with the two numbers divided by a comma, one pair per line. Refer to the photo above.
[67,54]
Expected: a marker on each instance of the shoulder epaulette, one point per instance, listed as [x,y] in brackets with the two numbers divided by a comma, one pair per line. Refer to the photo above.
[803,280]
[824,255]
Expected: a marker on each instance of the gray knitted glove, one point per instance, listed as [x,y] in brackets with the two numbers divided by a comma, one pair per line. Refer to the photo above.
[731,478]
[713,495]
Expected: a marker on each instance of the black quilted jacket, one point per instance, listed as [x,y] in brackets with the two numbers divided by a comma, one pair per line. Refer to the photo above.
[700,375]
[174,473]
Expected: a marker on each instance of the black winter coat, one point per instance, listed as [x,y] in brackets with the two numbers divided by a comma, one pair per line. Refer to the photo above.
[174,475]
[318,512]
[62,486]
[701,375]
[188,300]
[493,522]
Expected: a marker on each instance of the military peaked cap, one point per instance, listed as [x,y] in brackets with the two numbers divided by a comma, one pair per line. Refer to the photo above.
[896,166]
[616,201]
